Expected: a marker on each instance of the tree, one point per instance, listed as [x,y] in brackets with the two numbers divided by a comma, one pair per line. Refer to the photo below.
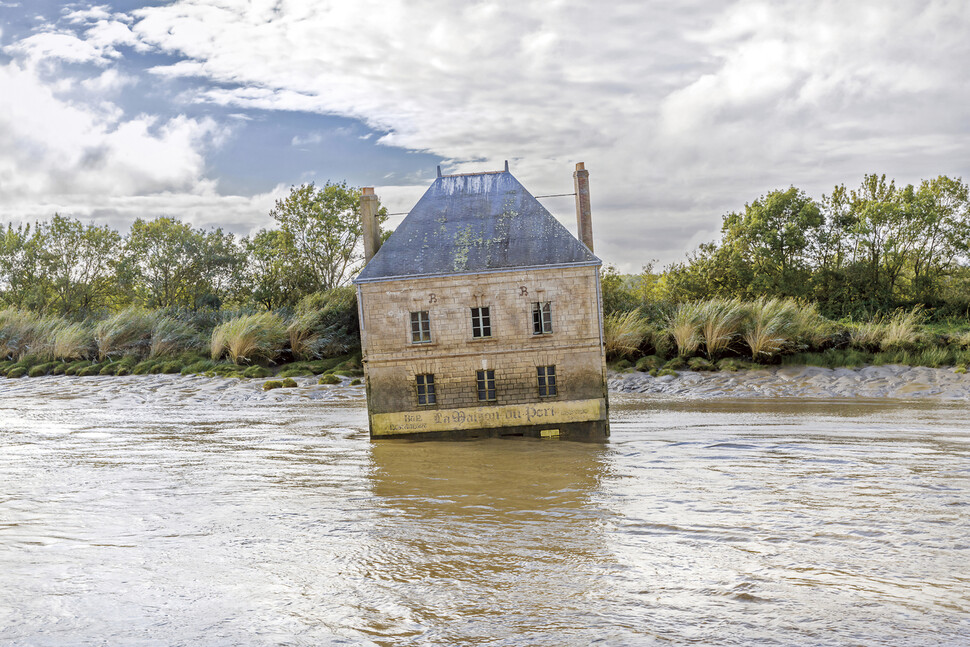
[773,235]
[76,264]
[167,263]
[18,267]
[323,230]
[273,278]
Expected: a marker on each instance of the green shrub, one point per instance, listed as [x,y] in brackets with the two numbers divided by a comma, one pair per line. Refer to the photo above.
[325,324]
[250,338]
[329,378]
[17,371]
[257,371]
[90,369]
[700,364]
[961,369]
[289,383]
[649,362]
[621,365]
[272,384]
[128,332]
[60,368]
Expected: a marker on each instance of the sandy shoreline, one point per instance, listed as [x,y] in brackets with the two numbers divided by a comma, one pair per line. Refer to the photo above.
[814,383]
[804,382]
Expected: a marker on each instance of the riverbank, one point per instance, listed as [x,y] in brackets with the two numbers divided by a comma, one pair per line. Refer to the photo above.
[804,382]
[811,382]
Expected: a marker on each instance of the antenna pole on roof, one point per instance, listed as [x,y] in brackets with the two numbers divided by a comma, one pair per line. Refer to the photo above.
[506,166]
[439,170]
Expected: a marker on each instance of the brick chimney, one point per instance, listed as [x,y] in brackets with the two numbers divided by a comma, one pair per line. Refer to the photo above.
[368,216]
[584,222]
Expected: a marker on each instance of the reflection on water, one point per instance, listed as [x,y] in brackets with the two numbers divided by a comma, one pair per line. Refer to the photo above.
[267,523]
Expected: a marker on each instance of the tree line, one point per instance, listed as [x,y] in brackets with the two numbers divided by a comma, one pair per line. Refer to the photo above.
[73,269]
[854,252]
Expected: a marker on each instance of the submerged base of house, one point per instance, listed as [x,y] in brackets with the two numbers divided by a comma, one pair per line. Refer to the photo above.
[584,420]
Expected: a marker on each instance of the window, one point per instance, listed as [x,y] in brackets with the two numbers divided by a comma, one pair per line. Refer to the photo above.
[425,389]
[541,317]
[486,385]
[420,327]
[547,381]
[481,322]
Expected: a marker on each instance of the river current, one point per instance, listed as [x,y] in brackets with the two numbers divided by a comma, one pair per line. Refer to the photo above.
[195,521]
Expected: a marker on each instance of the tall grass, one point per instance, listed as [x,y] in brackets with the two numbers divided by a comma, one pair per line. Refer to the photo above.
[17,329]
[74,341]
[171,337]
[624,333]
[768,326]
[250,338]
[902,332]
[128,332]
[683,326]
[720,322]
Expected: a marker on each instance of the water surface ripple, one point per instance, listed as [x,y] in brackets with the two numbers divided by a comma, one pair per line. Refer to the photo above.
[128,521]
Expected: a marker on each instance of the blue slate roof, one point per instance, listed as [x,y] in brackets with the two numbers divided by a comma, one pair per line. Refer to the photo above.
[476,222]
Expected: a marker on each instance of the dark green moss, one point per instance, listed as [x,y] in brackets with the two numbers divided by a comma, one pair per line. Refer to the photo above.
[257,371]
[272,384]
[295,372]
[74,367]
[329,378]
[40,370]
[17,371]
[91,369]
[356,382]
[289,383]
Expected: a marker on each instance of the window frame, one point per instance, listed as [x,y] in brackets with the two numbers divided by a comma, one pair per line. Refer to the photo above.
[425,388]
[421,327]
[542,317]
[482,322]
[485,383]
[547,382]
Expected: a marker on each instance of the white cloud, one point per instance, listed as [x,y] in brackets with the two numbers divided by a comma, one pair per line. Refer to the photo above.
[61,46]
[51,148]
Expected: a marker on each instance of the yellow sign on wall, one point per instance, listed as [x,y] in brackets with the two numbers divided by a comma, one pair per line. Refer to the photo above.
[513,415]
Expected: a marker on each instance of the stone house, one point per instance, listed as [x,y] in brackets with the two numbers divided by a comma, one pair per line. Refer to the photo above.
[481,315]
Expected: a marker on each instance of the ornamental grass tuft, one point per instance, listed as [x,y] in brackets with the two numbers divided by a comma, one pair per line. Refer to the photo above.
[624,333]
[128,332]
[250,338]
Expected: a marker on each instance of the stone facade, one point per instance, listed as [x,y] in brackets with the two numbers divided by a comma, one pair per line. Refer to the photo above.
[513,351]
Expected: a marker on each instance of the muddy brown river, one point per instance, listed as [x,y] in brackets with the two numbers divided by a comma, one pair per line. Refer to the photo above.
[129,519]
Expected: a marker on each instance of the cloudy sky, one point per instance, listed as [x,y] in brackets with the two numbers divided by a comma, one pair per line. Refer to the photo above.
[208,110]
